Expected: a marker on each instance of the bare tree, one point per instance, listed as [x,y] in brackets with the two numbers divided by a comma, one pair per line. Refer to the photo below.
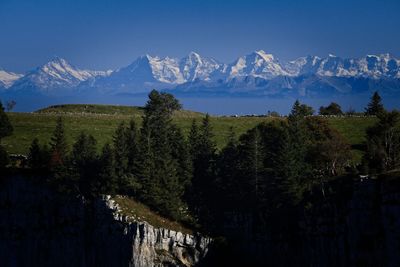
[10,105]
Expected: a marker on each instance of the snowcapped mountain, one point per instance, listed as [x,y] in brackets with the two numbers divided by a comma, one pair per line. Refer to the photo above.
[257,73]
[56,74]
[194,67]
[148,72]
[143,74]
[8,78]
[370,66]
[302,65]
[165,70]
[257,64]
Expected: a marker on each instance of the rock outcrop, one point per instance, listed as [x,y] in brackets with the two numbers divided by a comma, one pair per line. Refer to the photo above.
[158,246]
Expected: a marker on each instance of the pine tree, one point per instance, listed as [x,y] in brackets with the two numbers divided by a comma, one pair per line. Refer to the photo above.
[274,140]
[194,139]
[38,156]
[294,170]
[126,156]
[107,179]
[251,166]
[375,106]
[204,173]
[6,128]
[121,152]
[132,139]
[301,110]
[228,183]
[58,145]
[34,154]
[180,152]
[4,158]
[84,163]
[159,170]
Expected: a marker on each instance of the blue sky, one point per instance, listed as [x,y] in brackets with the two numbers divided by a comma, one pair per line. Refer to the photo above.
[107,34]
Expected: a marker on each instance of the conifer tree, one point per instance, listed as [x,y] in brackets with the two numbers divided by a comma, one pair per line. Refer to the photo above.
[194,139]
[126,153]
[228,183]
[159,172]
[375,106]
[34,160]
[180,152]
[58,145]
[251,166]
[132,139]
[38,156]
[107,179]
[84,163]
[6,128]
[204,173]
[4,158]
[121,152]
[301,110]
[294,169]
[274,140]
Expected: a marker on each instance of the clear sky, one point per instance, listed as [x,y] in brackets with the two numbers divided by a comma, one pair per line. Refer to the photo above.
[107,34]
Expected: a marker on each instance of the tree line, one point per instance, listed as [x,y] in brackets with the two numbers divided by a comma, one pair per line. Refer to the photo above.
[274,164]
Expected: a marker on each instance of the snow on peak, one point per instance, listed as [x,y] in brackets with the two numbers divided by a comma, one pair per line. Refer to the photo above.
[166,70]
[174,71]
[194,56]
[8,78]
[195,67]
[264,55]
[57,73]
[60,69]
[258,64]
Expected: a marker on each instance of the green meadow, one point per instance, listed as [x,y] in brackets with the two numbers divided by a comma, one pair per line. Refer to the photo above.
[102,120]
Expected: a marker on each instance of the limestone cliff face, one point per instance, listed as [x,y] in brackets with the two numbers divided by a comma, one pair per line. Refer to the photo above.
[39,227]
[158,246]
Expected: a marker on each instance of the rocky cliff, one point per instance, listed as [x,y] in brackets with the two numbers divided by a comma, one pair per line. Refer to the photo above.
[39,227]
[158,246]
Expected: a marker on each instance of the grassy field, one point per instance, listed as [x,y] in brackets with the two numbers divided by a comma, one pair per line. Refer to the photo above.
[101,121]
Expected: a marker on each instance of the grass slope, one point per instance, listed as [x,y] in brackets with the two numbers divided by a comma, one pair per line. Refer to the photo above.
[140,212]
[91,109]
[101,121]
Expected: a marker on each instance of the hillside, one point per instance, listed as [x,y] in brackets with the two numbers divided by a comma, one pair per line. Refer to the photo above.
[88,109]
[102,120]
[137,211]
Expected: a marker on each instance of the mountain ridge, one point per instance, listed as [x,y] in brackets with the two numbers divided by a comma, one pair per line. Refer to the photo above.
[257,73]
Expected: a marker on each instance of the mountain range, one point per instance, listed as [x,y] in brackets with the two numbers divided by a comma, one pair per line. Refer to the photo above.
[255,74]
